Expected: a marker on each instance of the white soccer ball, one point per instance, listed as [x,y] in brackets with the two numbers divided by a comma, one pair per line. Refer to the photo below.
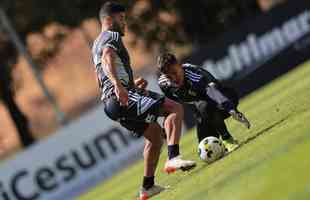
[211,149]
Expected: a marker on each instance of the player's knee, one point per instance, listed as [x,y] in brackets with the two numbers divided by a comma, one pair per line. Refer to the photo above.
[147,146]
[178,109]
[171,106]
[154,145]
[171,119]
[153,136]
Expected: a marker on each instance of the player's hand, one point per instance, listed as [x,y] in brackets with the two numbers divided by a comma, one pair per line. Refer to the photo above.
[141,83]
[121,94]
[166,81]
[240,117]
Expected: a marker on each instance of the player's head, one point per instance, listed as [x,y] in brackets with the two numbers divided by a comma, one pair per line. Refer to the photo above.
[168,64]
[112,17]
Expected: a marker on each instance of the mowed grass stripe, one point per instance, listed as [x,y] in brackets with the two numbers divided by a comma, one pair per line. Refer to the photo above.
[285,97]
[240,172]
[281,83]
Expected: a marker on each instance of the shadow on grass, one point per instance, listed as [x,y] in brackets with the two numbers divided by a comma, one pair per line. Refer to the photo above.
[252,165]
[248,140]
[265,130]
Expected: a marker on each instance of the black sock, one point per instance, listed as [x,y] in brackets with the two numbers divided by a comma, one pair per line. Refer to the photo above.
[148,182]
[173,151]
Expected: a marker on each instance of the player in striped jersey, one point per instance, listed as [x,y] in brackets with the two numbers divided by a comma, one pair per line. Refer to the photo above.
[212,102]
[127,101]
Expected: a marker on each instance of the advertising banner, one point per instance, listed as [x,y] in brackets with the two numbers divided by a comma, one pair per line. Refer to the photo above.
[69,162]
[260,49]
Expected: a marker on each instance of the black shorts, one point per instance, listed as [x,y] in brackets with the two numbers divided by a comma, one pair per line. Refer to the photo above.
[142,110]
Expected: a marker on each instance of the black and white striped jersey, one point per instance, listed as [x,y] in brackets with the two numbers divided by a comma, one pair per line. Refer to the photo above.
[196,80]
[112,40]
[199,85]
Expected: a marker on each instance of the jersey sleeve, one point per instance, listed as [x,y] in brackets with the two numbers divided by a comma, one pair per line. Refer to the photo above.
[168,87]
[209,88]
[106,39]
[112,40]
[207,76]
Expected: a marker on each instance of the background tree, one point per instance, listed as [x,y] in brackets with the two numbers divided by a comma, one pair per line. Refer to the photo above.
[179,22]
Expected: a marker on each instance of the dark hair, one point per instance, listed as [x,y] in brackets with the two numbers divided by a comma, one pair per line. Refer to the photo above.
[109,8]
[164,61]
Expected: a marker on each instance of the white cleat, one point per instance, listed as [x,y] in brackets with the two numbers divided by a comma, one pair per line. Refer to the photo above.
[154,190]
[178,164]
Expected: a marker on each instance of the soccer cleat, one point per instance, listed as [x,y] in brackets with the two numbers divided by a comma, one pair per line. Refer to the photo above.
[236,115]
[178,163]
[230,144]
[154,190]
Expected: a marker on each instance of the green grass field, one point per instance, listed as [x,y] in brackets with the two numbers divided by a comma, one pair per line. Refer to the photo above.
[272,163]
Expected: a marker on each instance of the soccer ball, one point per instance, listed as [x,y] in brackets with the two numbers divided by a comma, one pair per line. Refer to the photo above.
[211,149]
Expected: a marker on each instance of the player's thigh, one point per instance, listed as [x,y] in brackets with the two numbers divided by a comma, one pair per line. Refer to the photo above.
[206,128]
[209,111]
[171,106]
[205,110]
[135,128]
[142,110]
[153,134]
[232,94]
[151,131]
[144,106]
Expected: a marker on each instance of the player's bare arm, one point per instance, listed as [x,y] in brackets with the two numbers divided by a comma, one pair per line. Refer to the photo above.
[108,57]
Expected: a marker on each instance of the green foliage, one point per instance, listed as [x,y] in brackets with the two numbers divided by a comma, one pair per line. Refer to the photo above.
[32,15]
[194,20]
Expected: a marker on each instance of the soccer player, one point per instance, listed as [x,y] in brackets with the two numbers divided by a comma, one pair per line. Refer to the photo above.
[127,101]
[212,102]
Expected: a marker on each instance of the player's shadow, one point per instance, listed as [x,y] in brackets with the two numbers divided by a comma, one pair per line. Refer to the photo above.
[228,179]
[248,140]
[265,130]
